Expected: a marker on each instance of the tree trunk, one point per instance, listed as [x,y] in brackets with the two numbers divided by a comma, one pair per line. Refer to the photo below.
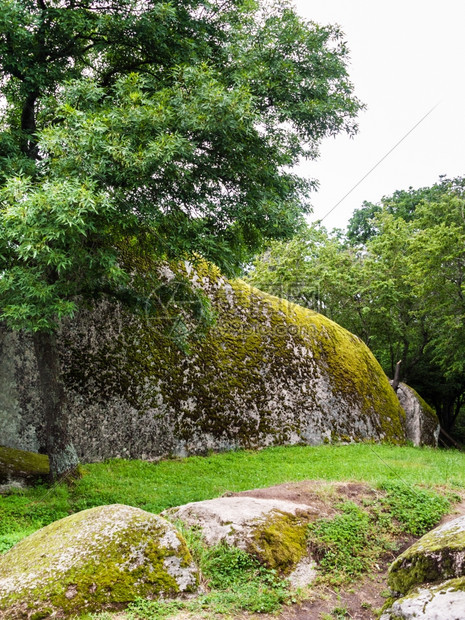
[60,450]
[396,380]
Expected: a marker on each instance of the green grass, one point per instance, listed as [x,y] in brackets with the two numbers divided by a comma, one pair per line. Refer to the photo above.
[156,486]
[235,580]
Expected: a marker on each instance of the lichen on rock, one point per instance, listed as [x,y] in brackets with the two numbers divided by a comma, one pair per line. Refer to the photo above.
[444,601]
[101,558]
[437,556]
[422,424]
[272,530]
[268,372]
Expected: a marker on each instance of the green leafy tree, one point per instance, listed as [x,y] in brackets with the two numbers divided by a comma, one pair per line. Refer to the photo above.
[134,132]
[400,288]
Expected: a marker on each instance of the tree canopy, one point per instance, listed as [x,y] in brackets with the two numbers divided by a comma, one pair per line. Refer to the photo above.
[395,279]
[166,127]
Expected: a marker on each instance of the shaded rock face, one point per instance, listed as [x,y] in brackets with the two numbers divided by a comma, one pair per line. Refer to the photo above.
[102,558]
[438,555]
[269,372]
[430,576]
[422,424]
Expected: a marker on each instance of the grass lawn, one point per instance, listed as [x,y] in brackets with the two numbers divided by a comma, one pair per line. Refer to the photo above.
[156,486]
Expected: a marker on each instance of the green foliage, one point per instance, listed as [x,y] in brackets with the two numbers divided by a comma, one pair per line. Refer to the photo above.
[348,544]
[351,542]
[235,581]
[22,513]
[180,135]
[156,486]
[418,510]
[343,544]
[168,127]
[395,280]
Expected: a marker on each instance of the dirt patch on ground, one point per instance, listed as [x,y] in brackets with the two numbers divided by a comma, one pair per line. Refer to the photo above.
[315,493]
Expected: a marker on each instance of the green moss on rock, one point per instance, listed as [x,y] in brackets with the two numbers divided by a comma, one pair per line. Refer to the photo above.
[18,464]
[268,373]
[440,601]
[279,542]
[102,558]
[437,556]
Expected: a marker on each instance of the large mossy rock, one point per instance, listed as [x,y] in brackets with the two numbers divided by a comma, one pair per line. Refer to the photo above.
[102,558]
[269,372]
[437,556]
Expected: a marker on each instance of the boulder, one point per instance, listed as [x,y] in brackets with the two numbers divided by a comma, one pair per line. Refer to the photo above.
[437,556]
[422,424]
[445,601]
[97,559]
[272,530]
[18,468]
[268,373]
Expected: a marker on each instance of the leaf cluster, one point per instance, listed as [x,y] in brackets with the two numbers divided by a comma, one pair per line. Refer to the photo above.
[175,122]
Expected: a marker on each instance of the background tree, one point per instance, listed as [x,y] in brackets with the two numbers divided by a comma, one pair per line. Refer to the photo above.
[396,280]
[138,132]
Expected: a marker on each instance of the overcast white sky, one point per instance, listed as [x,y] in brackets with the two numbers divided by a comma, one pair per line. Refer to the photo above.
[406,56]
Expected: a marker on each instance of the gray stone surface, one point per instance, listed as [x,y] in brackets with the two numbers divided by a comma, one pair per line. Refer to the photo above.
[440,602]
[268,373]
[422,424]
[233,519]
[272,530]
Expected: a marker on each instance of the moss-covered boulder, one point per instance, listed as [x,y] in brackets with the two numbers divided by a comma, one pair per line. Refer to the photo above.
[18,467]
[269,372]
[422,424]
[102,558]
[444,601]
[437,556]
[272,530]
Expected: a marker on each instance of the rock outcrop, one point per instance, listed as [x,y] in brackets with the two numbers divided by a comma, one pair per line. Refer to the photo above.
[272,530]
[422,424]
[429,577]
[97,559]
[269,372]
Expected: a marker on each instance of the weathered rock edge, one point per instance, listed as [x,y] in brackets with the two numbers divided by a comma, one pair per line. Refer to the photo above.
[437,556]
[444,601]
[102,558]
[422,424]
[268,373]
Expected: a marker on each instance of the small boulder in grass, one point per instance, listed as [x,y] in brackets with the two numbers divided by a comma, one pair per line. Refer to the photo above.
[437,556]
[272,530]
[19,468]
[97,559]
